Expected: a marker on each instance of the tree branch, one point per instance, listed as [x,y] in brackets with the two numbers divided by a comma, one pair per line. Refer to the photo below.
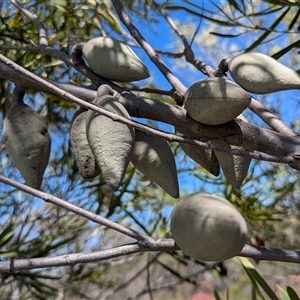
[44,50]
[269,118]
[33,18]
[254,252]
[75,209]
[188,52]
[281,148]
[175,83]
[79,66]
[145,242]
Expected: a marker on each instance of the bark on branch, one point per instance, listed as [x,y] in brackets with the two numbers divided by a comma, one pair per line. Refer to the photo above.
[144,242]
[254,252]
[283,148]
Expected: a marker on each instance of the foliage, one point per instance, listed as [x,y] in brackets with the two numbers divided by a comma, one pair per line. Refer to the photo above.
[190,38]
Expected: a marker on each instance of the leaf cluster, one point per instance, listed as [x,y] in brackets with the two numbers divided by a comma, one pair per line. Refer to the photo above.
[29,229]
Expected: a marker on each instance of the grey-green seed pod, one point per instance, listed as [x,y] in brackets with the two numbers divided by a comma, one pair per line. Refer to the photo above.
[208,227]
[153,156]
[261,74]
[215,101]
[235,167]
[27,142]
[85,159]
[111,142]
[114,60]
[204,157]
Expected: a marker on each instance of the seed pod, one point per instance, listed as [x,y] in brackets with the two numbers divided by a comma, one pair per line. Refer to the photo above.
[261,74]
[114,60]
[153,156]
[215,101]
[204,157]
[111,142]
[235,167]
[85,159]
[208,227]
[27,142]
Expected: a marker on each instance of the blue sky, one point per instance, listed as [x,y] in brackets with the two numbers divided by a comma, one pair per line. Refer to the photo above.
[161,37]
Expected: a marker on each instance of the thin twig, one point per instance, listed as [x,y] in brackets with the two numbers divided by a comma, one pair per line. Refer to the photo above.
[73,208]
[33,18]
[79,66]
[254,252]
[170,54]
[132,278]
[284,147]
[175,83]
[269,118]
[149,90]
[147,129]
[13,265]
[188,52]
[196,31]
[44,50]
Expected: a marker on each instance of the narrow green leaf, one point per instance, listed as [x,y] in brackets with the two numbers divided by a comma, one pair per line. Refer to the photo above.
[283,293]
[283,2]
[294,20]
[256,277]
[9,254]
[216,294]
[60,4]
[268,32]
[253,294]
[6,234]
[192,12]
[59,36]
[225,35]
[255,288]
[236,6]
[293,295]
[286,49]
[54,63]
[265,12]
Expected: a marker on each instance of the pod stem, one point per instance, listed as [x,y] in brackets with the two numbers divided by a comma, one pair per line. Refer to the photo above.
[18,95]
[80,65]
[77,53]
[222,68]
[105,89]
